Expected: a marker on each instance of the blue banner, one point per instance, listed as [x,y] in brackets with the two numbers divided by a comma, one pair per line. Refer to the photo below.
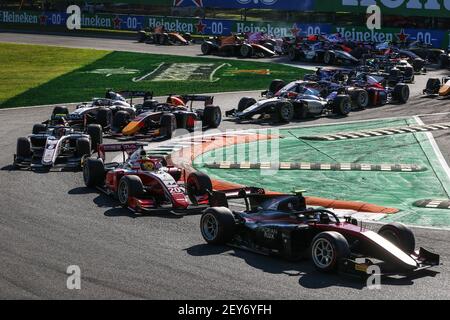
[300,5]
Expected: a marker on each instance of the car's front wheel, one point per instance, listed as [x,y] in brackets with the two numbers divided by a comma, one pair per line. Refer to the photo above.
[217,225]
[129,186]
[327,249]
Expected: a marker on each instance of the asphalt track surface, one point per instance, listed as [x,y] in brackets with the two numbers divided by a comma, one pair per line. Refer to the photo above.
[50,221]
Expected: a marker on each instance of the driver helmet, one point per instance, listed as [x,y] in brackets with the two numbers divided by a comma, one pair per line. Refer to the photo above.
[148,164]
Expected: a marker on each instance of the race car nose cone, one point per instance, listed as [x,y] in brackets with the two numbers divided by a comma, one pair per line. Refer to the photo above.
[132,128]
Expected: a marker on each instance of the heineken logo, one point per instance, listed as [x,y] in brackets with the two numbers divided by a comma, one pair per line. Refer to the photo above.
[13,17]
[183,72]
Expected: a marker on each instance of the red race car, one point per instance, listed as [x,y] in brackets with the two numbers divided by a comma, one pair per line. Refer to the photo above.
[144,183]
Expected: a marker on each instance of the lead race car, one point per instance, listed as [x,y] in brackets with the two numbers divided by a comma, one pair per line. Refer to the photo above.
[282,225]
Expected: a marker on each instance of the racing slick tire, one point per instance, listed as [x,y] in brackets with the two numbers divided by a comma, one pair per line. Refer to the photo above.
[433,86]
[23,149]
[418,64]
[104,117]
[129,186]
[207,48]
[301,112]
[244,103]
[401,93]
[327,249]
[96,134]
[400,235]
[212,116]
[39,128]
[120,121]
[443,61]
[342,105]
[93,172]
[293,54]
[276,85]
[168,125]
[83,147]
[198,184]
[60,110]
[329,57]
[246,51]
[181,119]
[360,99]
[217,225]
[285,111]
[164,39]
[408,73]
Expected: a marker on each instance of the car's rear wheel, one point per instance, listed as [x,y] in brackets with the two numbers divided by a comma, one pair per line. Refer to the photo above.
[104,117]
[96,133]
[400,235]
[93,172]
[342,105]
[360,98]
[83,147]
[129,186]
[217,225]
[433,85]
[121,119]
[327,249]
[39,128]
[245,102]
[198,184]
[276,85]
[206,48]
[212,116]
[285,111]
[293,54]
[401,93]
[168,125]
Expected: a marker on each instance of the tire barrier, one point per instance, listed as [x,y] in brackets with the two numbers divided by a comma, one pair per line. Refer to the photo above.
[379,132]
[433,204]
[317,166]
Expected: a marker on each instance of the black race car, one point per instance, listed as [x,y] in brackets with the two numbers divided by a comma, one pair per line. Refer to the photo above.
[283,225]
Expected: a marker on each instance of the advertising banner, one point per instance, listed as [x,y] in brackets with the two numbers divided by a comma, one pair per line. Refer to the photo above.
[407,8]
[436,38]
[196,26]
[249,4]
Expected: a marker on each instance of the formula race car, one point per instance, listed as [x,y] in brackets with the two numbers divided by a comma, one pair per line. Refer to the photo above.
[144,183]
[155,119]
[438,87]
[56,146]
[294,101]
[101,110]
[162,37]
[365,90]
[282,225]
[233,46]
[318,48]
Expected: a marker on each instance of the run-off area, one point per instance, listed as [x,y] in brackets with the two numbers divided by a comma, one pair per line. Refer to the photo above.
[392,189]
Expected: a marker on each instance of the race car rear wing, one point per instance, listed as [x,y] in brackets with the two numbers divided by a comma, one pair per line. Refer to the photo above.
[130,94]
[125,148]
[208,100]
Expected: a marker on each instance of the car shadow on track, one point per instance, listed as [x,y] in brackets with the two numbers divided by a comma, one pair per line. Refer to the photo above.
[309,277]
[114,209]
